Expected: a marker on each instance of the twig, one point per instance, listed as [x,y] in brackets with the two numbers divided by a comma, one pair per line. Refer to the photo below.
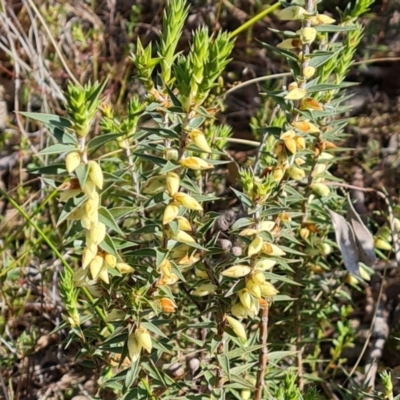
[57,49]
[263,353]
[256,80]
[3,386]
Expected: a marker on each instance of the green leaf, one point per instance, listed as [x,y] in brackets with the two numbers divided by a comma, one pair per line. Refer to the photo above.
[153,328]
[243,198]
[70,206]
[102,139]
[335,28]
[57,149]
[169,166]
[132,374]
[291,251]
[163,132]
[198,343]
[107,218]
[326,87]
[241,223]
[108,246]
[154,159]
[143,253]
[319,58]
[48,119]
[280,278]
[55,169]
[82,173]
[62,136]
[242,368]
[241,383]
[196,122]
[119,212]
[223,361]
[241,352]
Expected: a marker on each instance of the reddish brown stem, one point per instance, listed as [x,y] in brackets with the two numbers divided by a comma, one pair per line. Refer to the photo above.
[263,353]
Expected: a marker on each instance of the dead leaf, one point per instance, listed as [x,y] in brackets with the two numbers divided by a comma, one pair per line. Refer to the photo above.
[346,240]
[364,238]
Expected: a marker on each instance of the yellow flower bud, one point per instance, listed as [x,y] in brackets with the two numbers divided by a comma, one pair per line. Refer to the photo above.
[267,226]
[296,173]
[245,299]
[258,277]
[96,174]
[290,134]
[184,224]
[305,126]
[310,104]
[364,274]
[182,236]
[321,19]
[167,305]
[72,161]
[278,173]
[168,280]
[154,185]
[265,264]
[268,289]
[171,154]
[170,213]
[289,44]
[173,182]
[300,142]
[124,268]
[87,257]
[304,233]
[200,140]
[291,145]
[189,259]
[103,274]
[236,271]
[317,269]
[195,163]
[351,280]
[91,209]
[96,234]
[296,94]
[165,267]
[239,311]
[320,189]
[248,232]
[255,246]
[111,260]
[253,288]
[96,265]
[204,290]
[292,13]
[200,273]
[307,35]
[382,244]
[115,315]
[273,250]
[143,338]
[279,148]
[134,348]
[187,201]
[237,327]
[308,72]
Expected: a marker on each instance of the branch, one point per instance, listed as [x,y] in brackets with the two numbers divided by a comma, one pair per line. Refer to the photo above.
[263,353]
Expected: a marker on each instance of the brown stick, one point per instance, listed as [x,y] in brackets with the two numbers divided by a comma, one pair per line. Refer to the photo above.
[263,353]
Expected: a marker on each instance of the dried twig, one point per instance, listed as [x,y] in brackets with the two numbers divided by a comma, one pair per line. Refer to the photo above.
[263,353]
